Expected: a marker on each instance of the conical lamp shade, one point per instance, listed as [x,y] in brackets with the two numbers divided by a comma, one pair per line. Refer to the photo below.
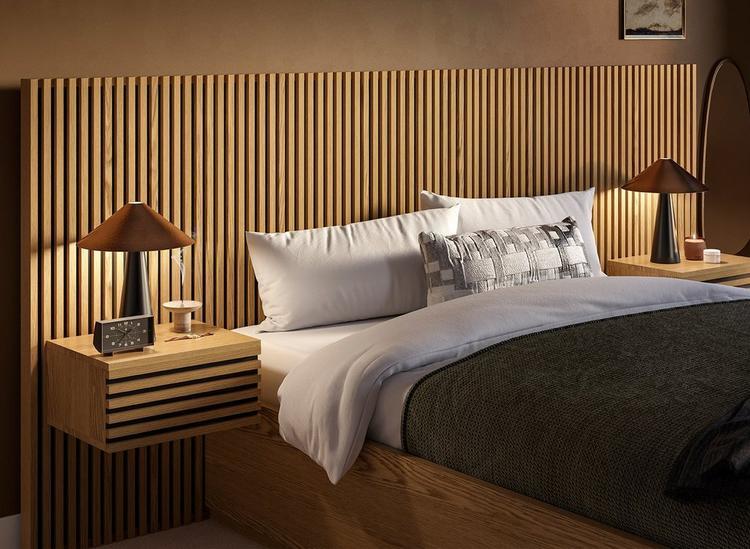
[665,176]
[135,228]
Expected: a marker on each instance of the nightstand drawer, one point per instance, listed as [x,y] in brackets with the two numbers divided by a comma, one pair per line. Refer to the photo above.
[138,399]
[197,398]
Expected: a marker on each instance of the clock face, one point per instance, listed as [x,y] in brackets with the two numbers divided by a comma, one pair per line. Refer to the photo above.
[126,333]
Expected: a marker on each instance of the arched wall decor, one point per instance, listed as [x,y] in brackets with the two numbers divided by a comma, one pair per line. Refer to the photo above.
[724,159]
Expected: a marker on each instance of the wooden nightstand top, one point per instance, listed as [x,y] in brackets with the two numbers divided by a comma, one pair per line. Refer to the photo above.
[222,345]
[733,270]
[175,389]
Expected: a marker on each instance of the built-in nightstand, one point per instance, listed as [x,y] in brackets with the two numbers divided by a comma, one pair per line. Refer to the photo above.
[733,270]
[175,389]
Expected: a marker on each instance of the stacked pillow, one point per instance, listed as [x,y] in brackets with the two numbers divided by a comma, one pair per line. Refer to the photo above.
[377,268]
[499,213]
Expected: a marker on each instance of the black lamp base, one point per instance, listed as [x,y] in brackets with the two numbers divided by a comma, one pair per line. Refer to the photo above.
[136,296]
[664,248]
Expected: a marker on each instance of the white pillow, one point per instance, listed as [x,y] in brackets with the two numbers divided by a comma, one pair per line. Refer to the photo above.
[479,214]
[339,274]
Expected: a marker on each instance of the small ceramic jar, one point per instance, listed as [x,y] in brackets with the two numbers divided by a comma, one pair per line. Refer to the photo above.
[711,255]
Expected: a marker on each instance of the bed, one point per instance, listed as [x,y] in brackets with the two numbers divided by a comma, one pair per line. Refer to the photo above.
[408,352]
[509,357]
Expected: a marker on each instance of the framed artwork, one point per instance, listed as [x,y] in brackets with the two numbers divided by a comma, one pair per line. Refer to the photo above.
[653,19]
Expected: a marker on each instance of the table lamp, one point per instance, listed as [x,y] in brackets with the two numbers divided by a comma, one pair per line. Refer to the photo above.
[665,176]
[135,228]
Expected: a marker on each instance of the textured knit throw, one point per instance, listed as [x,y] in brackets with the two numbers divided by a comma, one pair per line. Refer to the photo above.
[593,417]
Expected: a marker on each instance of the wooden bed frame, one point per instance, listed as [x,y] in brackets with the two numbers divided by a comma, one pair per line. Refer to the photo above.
[219,155]
[275,494]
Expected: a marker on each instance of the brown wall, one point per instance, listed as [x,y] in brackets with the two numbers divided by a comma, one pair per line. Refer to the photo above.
[86,38]
[738,21]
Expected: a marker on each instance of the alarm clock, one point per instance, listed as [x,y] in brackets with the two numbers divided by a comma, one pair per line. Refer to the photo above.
[131,333]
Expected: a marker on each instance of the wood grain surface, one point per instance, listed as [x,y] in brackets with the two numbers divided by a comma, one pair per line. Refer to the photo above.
[388,499]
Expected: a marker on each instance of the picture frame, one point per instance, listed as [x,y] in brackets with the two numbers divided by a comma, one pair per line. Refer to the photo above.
[653,19]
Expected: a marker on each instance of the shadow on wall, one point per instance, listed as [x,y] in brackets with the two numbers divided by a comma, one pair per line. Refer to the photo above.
[10,277]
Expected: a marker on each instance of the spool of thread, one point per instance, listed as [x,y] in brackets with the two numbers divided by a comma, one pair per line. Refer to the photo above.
[694,248]
[711,255]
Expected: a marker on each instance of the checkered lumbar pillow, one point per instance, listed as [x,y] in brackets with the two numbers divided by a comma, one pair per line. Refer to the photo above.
[481,261]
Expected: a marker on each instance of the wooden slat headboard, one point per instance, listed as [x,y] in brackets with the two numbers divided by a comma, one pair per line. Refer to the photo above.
[219,155]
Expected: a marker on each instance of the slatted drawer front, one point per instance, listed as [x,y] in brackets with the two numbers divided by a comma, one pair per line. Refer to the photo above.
[149,408]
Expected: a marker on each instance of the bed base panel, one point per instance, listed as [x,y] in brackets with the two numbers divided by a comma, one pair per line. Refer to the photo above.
[275,494]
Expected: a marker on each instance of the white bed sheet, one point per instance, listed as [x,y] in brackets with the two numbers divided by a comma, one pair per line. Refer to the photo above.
[282,351]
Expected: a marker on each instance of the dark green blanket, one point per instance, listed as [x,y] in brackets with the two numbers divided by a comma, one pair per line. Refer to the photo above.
[591,418]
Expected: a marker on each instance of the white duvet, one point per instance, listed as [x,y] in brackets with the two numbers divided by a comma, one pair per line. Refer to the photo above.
[328,401]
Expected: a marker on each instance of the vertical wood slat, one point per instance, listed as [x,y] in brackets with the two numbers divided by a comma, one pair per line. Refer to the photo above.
[175,185]
[107,188]
[220,155]
[30,293]
[219,185]
[150,192]
[163,191]
[198,266]
[229,211]
[44,318]
[207,214]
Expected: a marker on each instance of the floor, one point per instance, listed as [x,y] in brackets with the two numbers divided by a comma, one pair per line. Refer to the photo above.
[208,534]
[10,532]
